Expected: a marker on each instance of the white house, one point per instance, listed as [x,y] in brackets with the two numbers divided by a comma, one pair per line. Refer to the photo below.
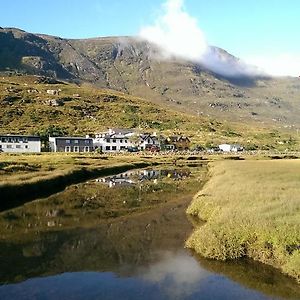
[20,143]
[147,141]
[230,148]
[115,140]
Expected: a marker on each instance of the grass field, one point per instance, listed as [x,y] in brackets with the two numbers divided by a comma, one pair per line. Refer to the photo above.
[251,208]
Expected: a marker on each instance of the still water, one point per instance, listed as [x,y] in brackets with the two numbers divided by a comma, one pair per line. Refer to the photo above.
[122,237]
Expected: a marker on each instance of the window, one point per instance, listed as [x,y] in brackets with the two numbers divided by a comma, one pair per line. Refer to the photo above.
[76,149]
[17,140]
[26,146]
[126,141]
[67,149]
[76,141]
[122,148]
[25,140]
[87,142]
[86,149]
[18,146]
[0,146]
[3,140]
[149,141]
[107,140]
[114,140]
[121,141]
[10,140]
[107,148]
[68,142]
[9,146]
[114,148]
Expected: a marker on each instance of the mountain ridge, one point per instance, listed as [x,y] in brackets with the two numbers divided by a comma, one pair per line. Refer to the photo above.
[135,67]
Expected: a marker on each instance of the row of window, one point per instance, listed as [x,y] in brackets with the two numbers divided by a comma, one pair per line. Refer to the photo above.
[76,149]
[114,148]
[13,147]
[114,141]
[14,140]
[77,141]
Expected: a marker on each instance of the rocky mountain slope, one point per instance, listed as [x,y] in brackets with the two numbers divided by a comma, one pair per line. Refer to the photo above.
[135,67]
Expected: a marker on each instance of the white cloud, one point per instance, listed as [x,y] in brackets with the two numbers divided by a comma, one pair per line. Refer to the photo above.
[277,65]
[176,32]
[178,273]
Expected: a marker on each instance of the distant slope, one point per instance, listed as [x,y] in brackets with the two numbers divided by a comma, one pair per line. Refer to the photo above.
[134,67]
[26,107]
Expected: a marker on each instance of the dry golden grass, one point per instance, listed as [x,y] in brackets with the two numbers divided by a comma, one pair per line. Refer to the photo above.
[252,208]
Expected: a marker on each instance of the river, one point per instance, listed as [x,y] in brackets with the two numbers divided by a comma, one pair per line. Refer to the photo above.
[122,237]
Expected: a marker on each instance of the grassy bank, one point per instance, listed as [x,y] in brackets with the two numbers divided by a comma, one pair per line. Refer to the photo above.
[251,208]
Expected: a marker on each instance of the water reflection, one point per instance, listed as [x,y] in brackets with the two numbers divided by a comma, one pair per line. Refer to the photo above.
[177,274]
[72,246]
[136,177]
[173,275]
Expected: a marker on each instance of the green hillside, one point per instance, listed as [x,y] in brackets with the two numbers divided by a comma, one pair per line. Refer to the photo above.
[27,108]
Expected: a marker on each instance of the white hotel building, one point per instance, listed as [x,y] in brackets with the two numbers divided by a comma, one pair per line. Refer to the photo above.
[116,140]
[20,143]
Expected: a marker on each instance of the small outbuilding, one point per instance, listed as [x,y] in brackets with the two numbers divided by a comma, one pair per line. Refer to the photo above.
[230,147]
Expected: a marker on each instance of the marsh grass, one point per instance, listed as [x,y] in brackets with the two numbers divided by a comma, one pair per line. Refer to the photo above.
[251,208]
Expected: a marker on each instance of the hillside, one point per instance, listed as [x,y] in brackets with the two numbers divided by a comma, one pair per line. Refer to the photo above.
[27,107]
[134,67]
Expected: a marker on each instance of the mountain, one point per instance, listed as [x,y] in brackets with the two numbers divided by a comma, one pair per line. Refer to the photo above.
[136,67]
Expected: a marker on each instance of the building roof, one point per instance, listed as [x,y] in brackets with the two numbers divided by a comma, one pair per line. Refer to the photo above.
[176,138]
[71,137]
[121,130]
[19,135]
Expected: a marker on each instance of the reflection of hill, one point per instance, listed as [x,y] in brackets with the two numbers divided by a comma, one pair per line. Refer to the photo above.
[254,275]
[130,246]
[119,246]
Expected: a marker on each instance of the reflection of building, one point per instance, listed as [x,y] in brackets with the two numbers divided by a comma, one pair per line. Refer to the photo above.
[149,175]
[20,143]
[135,177]
[123,179]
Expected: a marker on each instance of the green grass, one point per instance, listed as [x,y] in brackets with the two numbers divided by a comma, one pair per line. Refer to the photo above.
[251,208]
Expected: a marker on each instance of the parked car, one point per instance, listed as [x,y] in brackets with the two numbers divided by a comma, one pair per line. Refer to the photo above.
[152,148]
[132,149]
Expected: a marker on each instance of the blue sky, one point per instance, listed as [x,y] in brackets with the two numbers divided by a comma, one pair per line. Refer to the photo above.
[246,28]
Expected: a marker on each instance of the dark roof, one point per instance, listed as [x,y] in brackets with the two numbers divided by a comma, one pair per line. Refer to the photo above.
[71,137]
[19,135]
[122,130]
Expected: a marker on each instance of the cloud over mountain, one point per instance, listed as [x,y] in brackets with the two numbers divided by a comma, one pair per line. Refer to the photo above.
[178,34]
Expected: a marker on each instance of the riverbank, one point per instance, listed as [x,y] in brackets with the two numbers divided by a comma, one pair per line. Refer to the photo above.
[26,177]
[251,208]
